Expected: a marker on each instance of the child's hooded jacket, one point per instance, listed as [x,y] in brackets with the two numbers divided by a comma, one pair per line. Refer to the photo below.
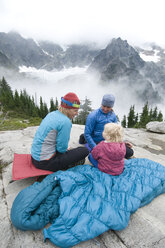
[110,157]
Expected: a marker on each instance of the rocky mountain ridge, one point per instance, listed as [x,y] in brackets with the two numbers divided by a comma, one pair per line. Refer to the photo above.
[121,61]
[43,54]
[118,62]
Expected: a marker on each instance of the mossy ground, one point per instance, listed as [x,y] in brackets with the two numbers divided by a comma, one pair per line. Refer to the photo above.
[14,121]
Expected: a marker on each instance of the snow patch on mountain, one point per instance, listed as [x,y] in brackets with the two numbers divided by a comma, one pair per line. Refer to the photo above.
[153,57]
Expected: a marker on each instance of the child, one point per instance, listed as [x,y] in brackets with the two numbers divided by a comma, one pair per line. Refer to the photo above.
[108,155]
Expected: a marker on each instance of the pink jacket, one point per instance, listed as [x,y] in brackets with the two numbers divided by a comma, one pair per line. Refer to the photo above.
[110,157]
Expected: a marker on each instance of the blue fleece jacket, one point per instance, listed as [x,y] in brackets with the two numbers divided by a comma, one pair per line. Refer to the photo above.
[95,125]
[53,134]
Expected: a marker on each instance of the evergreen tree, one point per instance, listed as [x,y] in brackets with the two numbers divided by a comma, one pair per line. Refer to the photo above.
[124,121]
[16,100]
[83,112]
[6,95]
[52,105]
[131,117]
[41,111]
[45,110]
[155,114]
[160,116]
[22,104]
[136,118]
[4,85]
[56,104]
[150,115]
[10,101]
[35,109]
[25,102]
[144,117]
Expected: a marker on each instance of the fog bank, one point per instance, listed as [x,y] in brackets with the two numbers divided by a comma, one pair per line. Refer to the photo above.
[57,83]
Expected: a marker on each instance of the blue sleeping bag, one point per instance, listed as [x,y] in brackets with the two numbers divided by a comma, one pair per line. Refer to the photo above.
[83,202]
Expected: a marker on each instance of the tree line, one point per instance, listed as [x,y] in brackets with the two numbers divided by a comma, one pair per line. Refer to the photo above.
[136,120]
[24,105]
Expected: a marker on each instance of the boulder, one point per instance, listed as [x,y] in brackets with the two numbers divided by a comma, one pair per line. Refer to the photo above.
[156,126]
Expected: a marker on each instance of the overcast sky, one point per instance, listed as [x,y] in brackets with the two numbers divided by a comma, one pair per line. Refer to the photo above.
[72,21]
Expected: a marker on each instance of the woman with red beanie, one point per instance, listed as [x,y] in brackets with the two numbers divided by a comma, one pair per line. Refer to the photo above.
[50,145]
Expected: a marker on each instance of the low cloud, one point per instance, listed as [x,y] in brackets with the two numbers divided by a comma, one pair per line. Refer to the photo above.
[56,84]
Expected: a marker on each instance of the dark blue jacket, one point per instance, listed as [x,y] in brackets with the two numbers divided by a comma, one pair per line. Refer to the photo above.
[95,125]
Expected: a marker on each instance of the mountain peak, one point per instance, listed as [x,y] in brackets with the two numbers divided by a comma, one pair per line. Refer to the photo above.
[118,52]
[121,48]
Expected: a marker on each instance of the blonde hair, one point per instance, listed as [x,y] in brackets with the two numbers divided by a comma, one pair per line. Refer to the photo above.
[113,132]
[65,111]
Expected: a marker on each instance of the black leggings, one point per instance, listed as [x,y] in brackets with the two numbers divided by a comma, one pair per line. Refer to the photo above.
[129,152]
[62,161]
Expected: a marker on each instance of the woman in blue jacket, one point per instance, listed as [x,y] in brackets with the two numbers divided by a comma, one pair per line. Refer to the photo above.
[49,149]
[95,124]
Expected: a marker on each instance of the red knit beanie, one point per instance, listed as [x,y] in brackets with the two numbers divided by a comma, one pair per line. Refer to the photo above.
[70,99]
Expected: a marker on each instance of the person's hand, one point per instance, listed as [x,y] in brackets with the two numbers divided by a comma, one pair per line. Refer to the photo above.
[68,148]
[128,144]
